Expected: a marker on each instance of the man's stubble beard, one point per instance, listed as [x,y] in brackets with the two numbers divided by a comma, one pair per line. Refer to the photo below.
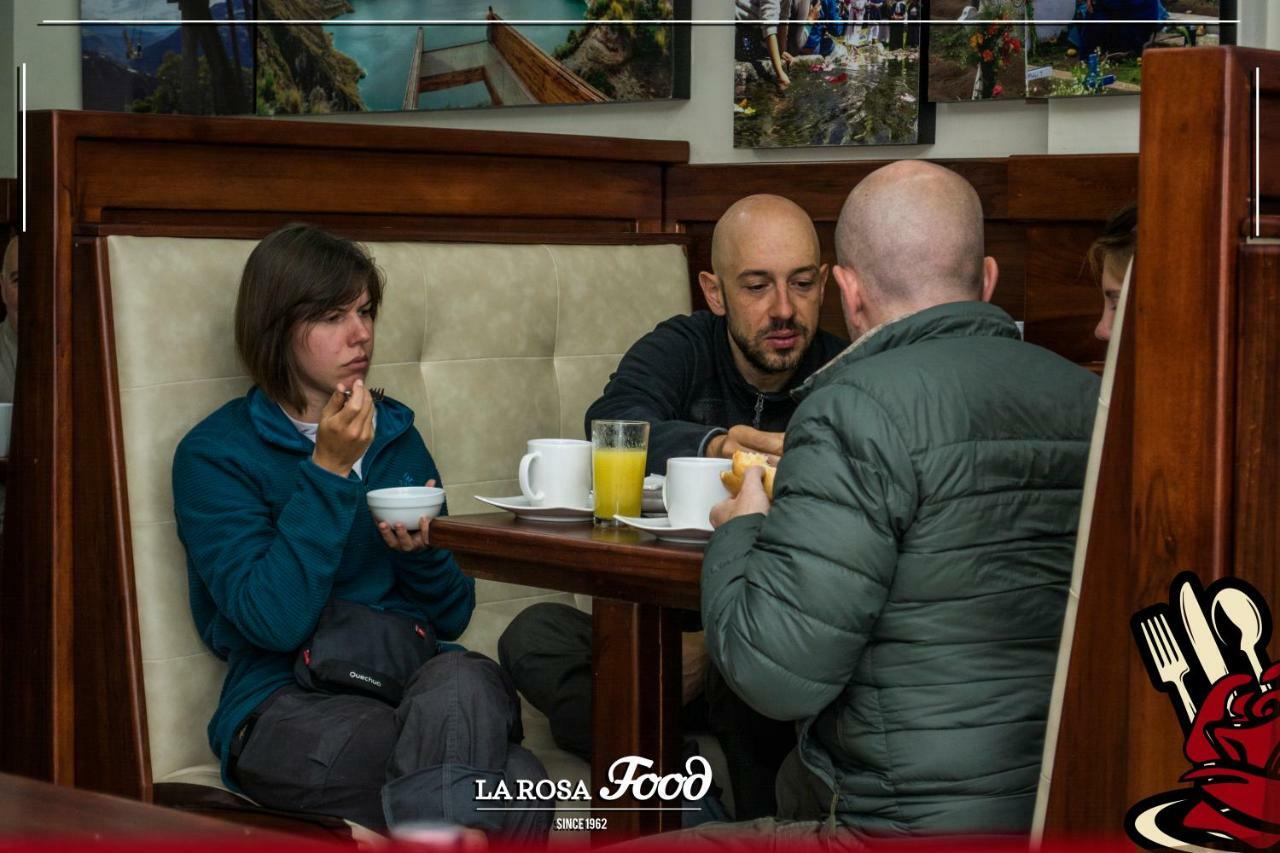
[756,351]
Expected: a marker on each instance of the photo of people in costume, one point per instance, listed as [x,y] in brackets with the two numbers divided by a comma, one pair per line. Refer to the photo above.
[979,60]
[827,72]
[1091,57]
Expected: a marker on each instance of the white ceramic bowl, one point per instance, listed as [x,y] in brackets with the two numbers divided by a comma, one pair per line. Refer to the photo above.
[405,505]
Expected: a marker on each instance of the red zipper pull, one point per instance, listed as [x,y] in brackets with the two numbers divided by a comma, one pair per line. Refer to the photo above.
[306,656]
[418,630]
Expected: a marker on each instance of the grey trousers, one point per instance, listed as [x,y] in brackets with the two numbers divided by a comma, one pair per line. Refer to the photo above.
[381,766]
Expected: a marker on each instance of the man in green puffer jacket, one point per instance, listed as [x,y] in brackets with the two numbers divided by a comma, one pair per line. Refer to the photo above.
[902,598]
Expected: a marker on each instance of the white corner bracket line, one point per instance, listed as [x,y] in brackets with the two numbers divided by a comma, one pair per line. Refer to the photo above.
[1257,152]
[22,150]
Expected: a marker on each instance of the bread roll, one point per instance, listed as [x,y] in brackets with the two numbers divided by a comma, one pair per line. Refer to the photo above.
[742,461]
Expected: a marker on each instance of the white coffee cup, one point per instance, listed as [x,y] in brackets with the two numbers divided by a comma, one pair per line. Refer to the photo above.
[692,488]
[556,472]
[6,426]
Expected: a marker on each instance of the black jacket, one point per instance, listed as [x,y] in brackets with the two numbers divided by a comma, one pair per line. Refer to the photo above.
[681,378]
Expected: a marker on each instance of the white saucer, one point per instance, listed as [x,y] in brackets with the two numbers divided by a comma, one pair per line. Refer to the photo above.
[519,505]
[661,527]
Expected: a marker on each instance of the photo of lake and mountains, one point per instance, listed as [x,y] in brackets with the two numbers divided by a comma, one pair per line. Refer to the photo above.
[584,57]
[164,67]
[829,72]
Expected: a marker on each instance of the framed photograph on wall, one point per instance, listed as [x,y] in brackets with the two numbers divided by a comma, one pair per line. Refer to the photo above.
[830,72]
[507,58]
[982,56]
[167,67]
[1091,57]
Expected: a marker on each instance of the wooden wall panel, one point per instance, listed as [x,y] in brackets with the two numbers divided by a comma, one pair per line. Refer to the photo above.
[1257,533]
[1007,243]
[1269,131]
[189,176]
[10,214]
[1088,187]
[831,318]
[291,136]
[1063,299]
[265,221]
[704,192]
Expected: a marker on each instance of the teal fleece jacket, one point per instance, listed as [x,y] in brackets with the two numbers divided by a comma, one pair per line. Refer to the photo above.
[271,537]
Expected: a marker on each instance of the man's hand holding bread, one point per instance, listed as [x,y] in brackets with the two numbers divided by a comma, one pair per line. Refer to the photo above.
[744,460]
[750,481]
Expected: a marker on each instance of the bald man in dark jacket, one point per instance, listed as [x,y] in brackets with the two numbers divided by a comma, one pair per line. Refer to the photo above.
[709,384]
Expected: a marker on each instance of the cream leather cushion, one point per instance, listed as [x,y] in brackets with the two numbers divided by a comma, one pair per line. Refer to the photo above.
[490,344]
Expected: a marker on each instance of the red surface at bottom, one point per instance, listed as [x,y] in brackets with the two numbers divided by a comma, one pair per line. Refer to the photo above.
[673,842]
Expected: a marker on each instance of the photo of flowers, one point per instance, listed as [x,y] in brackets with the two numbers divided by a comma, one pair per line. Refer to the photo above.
[977,61]
[168,67]
[328,67]
[1091,57]
[829,72]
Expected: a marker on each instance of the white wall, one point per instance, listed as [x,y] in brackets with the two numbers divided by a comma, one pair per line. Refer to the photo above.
[1086,125]
[52,54]
[7,88]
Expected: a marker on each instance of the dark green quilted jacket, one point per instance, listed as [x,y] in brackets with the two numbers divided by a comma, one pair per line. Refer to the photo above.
[903,598]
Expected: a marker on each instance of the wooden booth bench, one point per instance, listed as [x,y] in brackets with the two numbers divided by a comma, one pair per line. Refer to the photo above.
[520,267]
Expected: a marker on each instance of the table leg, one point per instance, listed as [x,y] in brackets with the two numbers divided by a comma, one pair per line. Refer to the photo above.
[635,705]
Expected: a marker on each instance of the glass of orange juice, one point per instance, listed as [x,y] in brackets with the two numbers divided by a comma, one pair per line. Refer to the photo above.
[618,453]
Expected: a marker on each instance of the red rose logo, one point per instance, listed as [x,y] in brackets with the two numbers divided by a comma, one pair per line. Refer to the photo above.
[1235,747]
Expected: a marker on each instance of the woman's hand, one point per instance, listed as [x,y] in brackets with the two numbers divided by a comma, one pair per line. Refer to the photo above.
[399,539]
[346,429]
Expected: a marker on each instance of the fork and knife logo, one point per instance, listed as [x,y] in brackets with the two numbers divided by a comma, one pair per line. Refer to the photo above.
[1206,648]
[1236,621]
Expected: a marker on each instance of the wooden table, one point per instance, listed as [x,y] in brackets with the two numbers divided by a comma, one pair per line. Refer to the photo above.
[641,588]
[32,809]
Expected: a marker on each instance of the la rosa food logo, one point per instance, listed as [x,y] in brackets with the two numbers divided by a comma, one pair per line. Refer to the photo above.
[625,777]
[1206,648]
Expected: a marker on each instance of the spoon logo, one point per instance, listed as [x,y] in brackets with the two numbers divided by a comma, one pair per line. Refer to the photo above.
[1206,648]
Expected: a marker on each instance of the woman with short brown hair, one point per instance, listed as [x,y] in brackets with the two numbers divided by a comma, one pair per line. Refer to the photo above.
[286,566]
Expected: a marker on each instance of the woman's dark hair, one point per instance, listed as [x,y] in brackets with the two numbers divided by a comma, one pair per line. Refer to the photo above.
[1119,238]
[294,277]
